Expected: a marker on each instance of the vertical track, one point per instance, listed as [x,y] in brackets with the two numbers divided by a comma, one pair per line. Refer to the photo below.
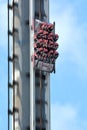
[32,71]
[13,69]
[40,100]
[40,77]
[39,9]
[8,70]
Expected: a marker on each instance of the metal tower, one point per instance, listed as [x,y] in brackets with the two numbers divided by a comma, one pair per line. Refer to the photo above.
[28,88]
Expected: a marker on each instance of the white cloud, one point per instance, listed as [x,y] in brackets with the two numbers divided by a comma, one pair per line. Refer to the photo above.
[66,117]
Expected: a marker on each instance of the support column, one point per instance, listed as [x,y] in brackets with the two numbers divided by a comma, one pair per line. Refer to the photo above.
[32,71]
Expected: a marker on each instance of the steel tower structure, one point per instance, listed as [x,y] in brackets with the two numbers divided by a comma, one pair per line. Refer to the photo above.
[28,88]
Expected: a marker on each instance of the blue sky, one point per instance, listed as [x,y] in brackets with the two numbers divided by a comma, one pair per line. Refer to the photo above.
[3,65]
[69,84]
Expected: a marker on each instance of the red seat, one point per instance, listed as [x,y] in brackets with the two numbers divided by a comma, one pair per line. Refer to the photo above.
[55,54]
[44,26]
[56,37]
[50,44]
[50,53]
[50,27]
[56,46]
[39,34]
[35,56]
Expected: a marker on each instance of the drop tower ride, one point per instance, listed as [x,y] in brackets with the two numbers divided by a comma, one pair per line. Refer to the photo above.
[31,58]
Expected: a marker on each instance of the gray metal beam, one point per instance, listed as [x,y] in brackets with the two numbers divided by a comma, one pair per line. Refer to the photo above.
[32,71]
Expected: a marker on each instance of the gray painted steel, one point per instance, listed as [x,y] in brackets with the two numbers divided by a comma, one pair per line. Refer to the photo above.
[24,72]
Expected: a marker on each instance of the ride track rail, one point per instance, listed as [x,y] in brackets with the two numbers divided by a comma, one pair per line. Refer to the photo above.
[11,60]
